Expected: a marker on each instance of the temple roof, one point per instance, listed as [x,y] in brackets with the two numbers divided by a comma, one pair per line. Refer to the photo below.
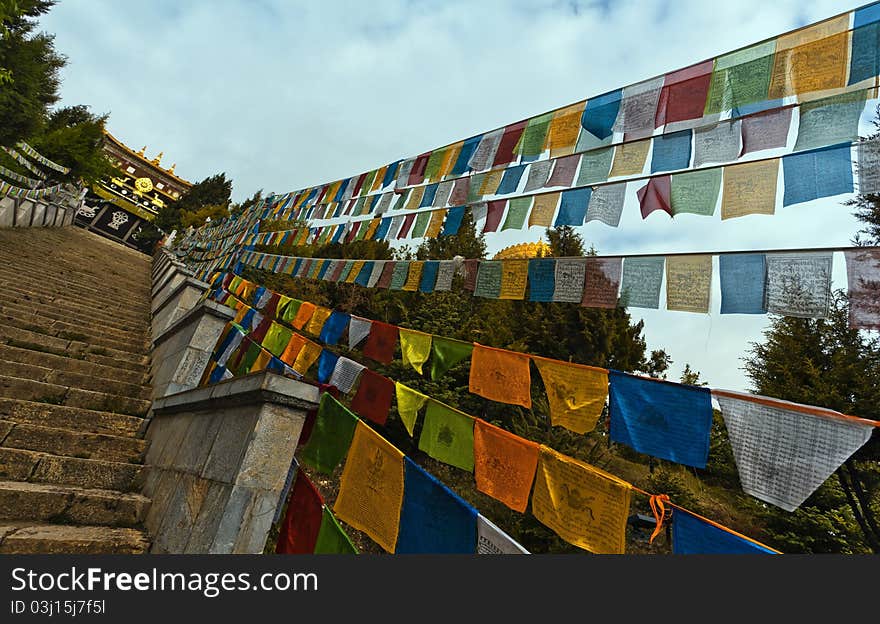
[152,163]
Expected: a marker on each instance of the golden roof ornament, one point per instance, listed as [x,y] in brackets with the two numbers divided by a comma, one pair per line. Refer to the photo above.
[524,250]
[143,149]
[172,168]
[158,158]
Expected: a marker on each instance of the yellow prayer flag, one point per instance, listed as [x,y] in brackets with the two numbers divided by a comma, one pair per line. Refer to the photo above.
[584,505]
[564,130]
[629,158]
[355,270]
[491,181]
[262,361]
[415,198]
[514,275]
[377,181]
[415,347]
[576,393]
[409,402]
[749,188]
[435,226]
[811,59]
[688,283]
[241,311]
[371,488]
[449,161]
[371,229]
[319,317]
[543,209]
[307,356]
[304,314]
[414,276]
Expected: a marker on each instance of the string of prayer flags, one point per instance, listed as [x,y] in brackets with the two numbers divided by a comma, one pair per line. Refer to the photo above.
[655,195]
[743,278]
[433,518]
[863,288]
[299,531]
[718,143]
[818,173]
[688,283]
[830,121]
[749,188]
[326,365]
[568,280]
[542,278]
[684,94]
[500,375]
[601,282]
[584,505]
[448,435]
[576,393]
[573,207]
[358,330]
[373,397]
[641,282]
[382,342]
[811,59]
[766,130]
[517,211]
[514,276]
[671,151]
[638,108]
[332,539]
[799,284]
[306,357]
[504,465]
[692,535]
[740,78]
[371,489]
[606,204]
[595,166]
[784,451]
[345,374]
[659,418]
[865,55]
[330,437]
[493,541]
[629,158]
[695,192]
[489,276]
[446,353]
[334,327]
[409,402]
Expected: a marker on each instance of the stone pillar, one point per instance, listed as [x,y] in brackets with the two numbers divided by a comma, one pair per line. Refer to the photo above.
[170,304]
[39,216]
[23,213]
[219,460]
[7,212]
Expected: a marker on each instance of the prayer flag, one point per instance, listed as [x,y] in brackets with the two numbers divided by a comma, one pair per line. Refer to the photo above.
[504,465]
[414,276]
[493,541]
[436,223]
[799,284]
[518,210]
[433,519]
[595,166]
[333,327]
[291,351]
[564,129]
[671,151]
[601,282]
[688,283]
[303,314]
[510,181]
[506,152]
[818,173]
[869,166]
[488,279]
[484,155]
[531,143]
[539,173]
[429,276]
[306,357]
[767,130]
[358,329]
[500,375]
[568,280]
[319,317]
[576,393]
[695,192]
[446,354]
[381,343]
[371,489]
[326,365]
[692,535]
[470,266]
[514,277]
[638,108]
[399,275]
[543,209]
[564,170]
[330,437]
[276,339]
[641,282]
[811,59]
[600,114]
[830,121]
[655,195]
[460,191]
[863,288]
[718,143]
[448,435]
[749,188]
[345,373]
[684,94]
[332,540]
[454,217]
[464,155]
[864,63]
[302,522]
[606,204]
[373,397]
[542,279]
[583,505]
[740,78]
[493,215]
[415,347]
[409,402]
[743,277]
[629,158]
[573,207]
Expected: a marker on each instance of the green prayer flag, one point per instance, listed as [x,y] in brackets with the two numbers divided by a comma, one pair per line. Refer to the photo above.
[447,353]
[332,539]
[399,275]
[488,279]
[421,225]
[741,78]
[476,183]
[368,182]
[695,192]
[250,356]
[276,339]
[517,211]
[830,120]
[448,436]
[290,310]
[531,143]
[595,166]
[358,205]
[435,160]
[331,436]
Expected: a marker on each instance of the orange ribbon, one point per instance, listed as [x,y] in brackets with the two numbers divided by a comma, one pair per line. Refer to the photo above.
[659,510]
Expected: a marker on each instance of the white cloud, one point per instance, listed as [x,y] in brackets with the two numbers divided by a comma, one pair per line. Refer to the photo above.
[283,95]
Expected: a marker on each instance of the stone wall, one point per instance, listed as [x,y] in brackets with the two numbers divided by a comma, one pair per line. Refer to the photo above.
[27,213]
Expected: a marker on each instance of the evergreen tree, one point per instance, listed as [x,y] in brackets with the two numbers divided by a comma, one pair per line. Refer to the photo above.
[73,136]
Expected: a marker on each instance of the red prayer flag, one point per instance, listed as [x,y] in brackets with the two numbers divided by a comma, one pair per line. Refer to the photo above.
[305,507]
[387,275]
[308,425]
[355,226]
[459,195]
[494,214]
[684,94]
[382,342]
[471,267]
[506,148]
[655,196]
[417,173]
[260,332]
[373,397]
[407,224]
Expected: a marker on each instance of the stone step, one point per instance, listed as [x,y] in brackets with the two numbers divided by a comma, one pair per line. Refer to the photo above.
[73,365]
[67,331]
[36,467]
[45,317]
[63,377]
[67,504]
[78,306]
[26,339]
[40,392]
[70,418]
[50,539]
[114,272]
[59,441]
[65,312]
[72,284]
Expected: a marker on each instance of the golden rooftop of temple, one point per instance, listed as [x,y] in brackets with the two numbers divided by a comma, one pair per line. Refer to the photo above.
[140,154]
[524,250]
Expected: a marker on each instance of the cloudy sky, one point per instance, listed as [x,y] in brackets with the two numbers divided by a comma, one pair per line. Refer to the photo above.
[282,94]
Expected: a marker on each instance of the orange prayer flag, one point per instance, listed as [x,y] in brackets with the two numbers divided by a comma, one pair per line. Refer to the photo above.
[500,375]
[292,349]
[576,393]
[304,314]
[564,130]
[504,465]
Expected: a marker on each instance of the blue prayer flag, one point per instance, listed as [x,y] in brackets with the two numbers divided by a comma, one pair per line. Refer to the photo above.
[743,277]
[865,44]
[341,190]
[433,518]
[217,374]
[600,112]
[333,327]
[296,266]
[363,276]
[693,536]
[817,173]
[382,230]
[326,364]
[453,220]
[429,276]
[464,156]
[390,173]
[573,207]
[257,294]
[660,418]
[428,195]
[542,279]
[510,181]
[337,235]
[671,151]
[323,270]
[755,107]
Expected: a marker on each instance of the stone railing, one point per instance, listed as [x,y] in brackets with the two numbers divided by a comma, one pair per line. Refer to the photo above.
[21,212]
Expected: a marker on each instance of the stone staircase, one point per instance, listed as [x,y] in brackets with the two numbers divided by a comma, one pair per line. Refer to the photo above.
[74,389]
